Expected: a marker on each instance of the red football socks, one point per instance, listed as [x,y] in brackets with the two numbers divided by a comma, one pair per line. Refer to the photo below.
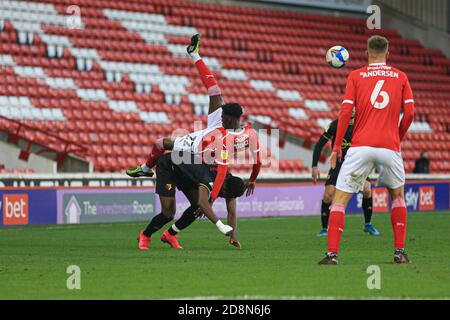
[156,153]
[398,220]
[335,227]
[207,78]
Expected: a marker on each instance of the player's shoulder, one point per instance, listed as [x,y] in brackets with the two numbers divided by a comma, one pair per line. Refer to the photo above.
[248,126]
[396,69]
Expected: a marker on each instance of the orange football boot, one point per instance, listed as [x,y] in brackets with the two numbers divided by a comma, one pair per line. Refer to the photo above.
[171,240]
[143,241]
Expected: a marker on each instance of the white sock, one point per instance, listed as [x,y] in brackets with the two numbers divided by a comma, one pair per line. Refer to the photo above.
[174,227]
[144,167]
[195,56]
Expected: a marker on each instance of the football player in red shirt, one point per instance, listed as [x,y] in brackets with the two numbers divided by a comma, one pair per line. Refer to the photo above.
[379,93]
[223,139]
[223,121]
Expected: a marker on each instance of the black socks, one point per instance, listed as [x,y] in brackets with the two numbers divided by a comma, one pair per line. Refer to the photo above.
[367,207]
[157,223]
[186,219]
[324,214]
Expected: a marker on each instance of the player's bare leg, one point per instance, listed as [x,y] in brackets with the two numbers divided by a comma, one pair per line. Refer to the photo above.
[398,220]
[367,208]
[168,209]
[158,148]
[336,226]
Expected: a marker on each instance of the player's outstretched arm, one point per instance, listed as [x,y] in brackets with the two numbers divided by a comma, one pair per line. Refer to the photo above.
[210,83]
[205,206]
[255,151]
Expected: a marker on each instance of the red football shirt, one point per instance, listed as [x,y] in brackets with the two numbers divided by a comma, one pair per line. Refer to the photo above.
[223,146]
[379,93]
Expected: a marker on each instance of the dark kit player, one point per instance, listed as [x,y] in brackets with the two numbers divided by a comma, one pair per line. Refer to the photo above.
[195,181]
[330,184]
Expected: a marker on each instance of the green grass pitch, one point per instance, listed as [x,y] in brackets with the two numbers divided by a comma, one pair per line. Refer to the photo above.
[278,260]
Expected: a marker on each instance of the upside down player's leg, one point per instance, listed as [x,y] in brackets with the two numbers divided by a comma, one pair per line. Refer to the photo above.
[157,150]
[207,77]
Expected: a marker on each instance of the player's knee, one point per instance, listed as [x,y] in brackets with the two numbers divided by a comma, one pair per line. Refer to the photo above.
[327,198]
[367,192]
[169,213]
[398,203]
[396,194]
[328,195]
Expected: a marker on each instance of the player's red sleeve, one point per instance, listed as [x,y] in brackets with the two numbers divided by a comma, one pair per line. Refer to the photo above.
[408,110]
[346,113]
[221,159]
[218,182]
[256,153]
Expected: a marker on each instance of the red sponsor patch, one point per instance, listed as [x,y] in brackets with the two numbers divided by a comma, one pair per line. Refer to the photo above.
[15,209]
[426,198]
[380,198]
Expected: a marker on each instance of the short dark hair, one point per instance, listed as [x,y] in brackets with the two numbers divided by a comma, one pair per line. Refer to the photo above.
[234,110]
[235,187]
[377,45]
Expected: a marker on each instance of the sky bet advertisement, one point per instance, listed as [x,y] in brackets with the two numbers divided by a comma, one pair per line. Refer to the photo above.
[32,206]
[421,196]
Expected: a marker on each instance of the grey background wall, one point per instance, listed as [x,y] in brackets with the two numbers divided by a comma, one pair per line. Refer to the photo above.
[426,21]
[432,12]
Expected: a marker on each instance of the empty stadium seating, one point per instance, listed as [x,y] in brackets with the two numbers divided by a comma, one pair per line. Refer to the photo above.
[119,77]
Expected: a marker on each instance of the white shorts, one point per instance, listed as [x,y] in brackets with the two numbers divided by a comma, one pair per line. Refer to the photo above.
[359,163]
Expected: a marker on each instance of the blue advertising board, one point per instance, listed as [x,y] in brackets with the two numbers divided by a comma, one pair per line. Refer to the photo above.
[31,206]
[27,206]
[419,196]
